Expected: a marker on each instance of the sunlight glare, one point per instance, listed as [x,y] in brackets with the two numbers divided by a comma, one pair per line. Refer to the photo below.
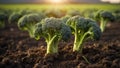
[56,1]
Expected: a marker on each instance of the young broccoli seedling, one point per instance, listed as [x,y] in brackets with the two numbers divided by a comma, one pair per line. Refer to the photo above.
[104,17]
[27,22]
[83,29]
[53,30]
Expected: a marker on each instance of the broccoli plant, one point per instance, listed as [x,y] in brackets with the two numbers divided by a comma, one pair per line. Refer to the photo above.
[7,12]
[88,13]
[27,22]
[14,17]
[57,13]
[104,17]
[117,15]
[53,30]
[73,12]
[65,18]
[83,29]
[3,18]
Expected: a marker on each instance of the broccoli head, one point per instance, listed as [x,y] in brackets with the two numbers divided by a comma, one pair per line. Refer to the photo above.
[27,22]
[53,30]
[104,17]
[14,17]
[83,29]
[65,18]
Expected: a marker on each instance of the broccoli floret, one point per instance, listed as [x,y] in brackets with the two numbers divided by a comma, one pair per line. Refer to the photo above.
[65,18]
[53,30]
[83,29]
[27,22]
[104,17]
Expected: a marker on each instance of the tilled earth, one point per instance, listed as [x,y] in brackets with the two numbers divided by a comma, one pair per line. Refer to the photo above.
[17,50]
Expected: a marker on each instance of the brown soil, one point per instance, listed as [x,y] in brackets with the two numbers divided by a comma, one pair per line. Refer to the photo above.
[17,50]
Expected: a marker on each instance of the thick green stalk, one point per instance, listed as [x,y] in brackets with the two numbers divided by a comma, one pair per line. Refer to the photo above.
[78,42]
[52,45]
[78,47]
[103,24]
[30,29]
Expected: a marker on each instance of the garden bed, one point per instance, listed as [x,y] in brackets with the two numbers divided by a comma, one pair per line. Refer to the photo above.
[17,50]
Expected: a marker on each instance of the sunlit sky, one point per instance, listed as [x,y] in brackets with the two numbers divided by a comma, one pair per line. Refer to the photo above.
[58,1]
[62,1]
[111,1]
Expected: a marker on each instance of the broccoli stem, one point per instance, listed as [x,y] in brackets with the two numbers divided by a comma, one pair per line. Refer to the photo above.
[30,33]
[76,42]
[79,39]
[103,24]
[31,30]
[52,45]
[78,46]
[2,24]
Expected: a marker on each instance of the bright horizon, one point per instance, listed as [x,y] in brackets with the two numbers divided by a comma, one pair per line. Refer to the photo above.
[111,1]
[56,1]
[59,1]
[64,1]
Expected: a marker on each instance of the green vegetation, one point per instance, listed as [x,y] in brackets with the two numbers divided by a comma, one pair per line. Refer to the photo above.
[14,17]
[65,18]
[3,17]
[57,23]
[27,22]
[53,30]
[111,7]
[83,29]
[104,17]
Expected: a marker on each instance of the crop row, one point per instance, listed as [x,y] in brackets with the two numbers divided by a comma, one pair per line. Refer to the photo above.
[56,25]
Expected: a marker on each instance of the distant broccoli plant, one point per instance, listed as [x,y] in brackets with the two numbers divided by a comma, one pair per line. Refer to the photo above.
[73,12]
[117,15]
[65,18]
[104,17]
[14,17]
[27,22]
[7,12]
[25,11]
[53,30]
[57,13]
[3,18]
[89,13]
[83,29]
